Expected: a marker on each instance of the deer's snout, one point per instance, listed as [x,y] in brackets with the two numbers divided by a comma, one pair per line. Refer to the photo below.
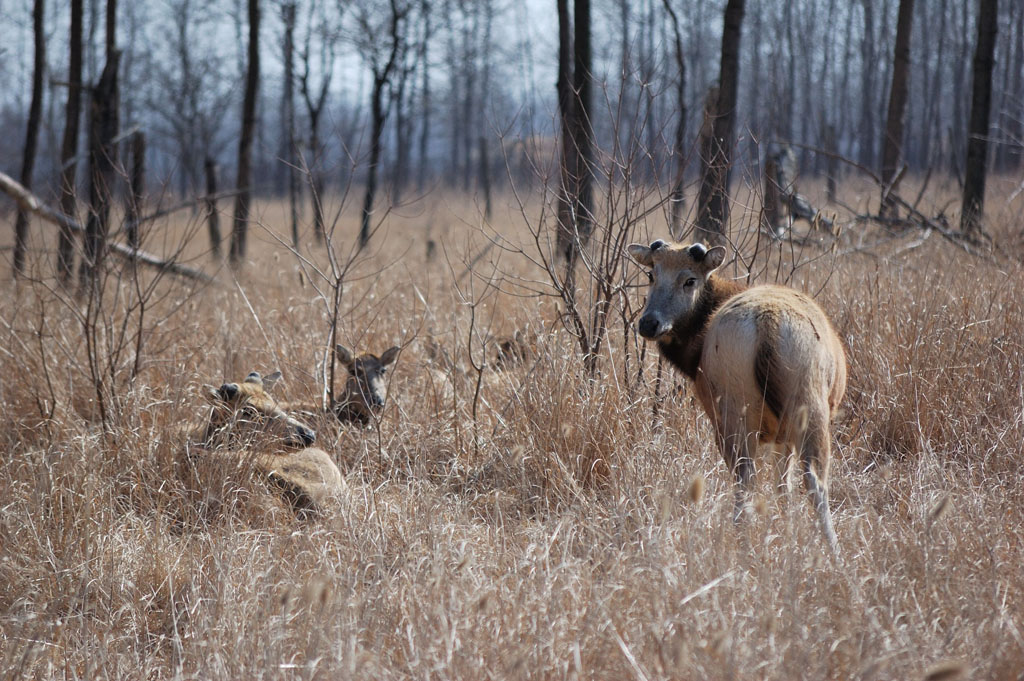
[648,326]
[306,435]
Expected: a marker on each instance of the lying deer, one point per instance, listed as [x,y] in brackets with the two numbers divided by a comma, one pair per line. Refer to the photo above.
[248,424]
[767,365]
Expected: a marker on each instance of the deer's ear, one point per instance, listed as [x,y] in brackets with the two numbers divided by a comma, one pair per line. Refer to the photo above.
[344,354]
[714,258]
[390,355]
[271,380]
[641,253]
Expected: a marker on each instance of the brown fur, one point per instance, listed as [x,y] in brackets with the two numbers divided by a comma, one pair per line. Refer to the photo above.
[767,365]
[366,387]
[685,345]
[248,426]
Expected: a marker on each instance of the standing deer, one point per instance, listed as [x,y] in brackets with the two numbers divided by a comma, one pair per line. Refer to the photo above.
[767,366]
[246,423]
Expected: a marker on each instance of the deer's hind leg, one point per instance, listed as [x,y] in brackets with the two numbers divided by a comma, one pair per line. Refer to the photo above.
[815,452]
[738,446]
[784,456]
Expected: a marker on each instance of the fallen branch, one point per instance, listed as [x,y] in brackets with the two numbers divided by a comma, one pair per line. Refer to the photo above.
[29,202]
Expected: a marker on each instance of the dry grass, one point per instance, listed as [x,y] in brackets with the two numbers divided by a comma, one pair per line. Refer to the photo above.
[564,528]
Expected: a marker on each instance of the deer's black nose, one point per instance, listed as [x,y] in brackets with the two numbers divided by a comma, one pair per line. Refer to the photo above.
[228,391]
[648,326]
[306,435]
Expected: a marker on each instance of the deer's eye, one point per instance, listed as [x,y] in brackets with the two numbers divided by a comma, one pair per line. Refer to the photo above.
[650,276]
[690,282]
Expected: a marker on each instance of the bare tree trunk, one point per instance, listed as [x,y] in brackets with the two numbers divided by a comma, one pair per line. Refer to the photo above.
[713,199]
[212,216]
[69,145]
[288,10]
[35,111]
[314,106]
[831,163]
[574,83]
[977,134]
[485,177]
[932,129]
[316,177]
[771,210]
[103,124]
[960,123]
[485,88]
[677,200]
[138,188]
[892,145]
[382,74]
[240,227]
[469,92]
[421,172]
[403,132]
[1015,122]
[584,132]
[868,68]
[566,104]
[377,114]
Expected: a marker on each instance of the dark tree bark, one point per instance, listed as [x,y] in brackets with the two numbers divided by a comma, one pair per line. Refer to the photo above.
[713,198]
[403,130]
[485,177]
[69,145]
[892,144]
[566,104]
[1014,158]
[960,123]
[866,130]
[421,171]
[288,117]
[935,95]
[111,28]
[676,197]
[138,188]
[469,92]
[831,163]
[103,125]
[583,132]
[381,78]
[35,113]
[977,134]
[575,95]
[212,216]
[377,115]
[240,226]
[315,101]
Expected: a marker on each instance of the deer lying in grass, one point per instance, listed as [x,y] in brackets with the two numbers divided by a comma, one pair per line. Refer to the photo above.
[367,388]
[247,424]
[766,363]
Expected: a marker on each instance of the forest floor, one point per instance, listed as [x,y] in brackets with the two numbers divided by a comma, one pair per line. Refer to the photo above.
[531,522]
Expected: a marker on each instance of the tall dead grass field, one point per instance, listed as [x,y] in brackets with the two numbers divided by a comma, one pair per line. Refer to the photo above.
[536,522]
